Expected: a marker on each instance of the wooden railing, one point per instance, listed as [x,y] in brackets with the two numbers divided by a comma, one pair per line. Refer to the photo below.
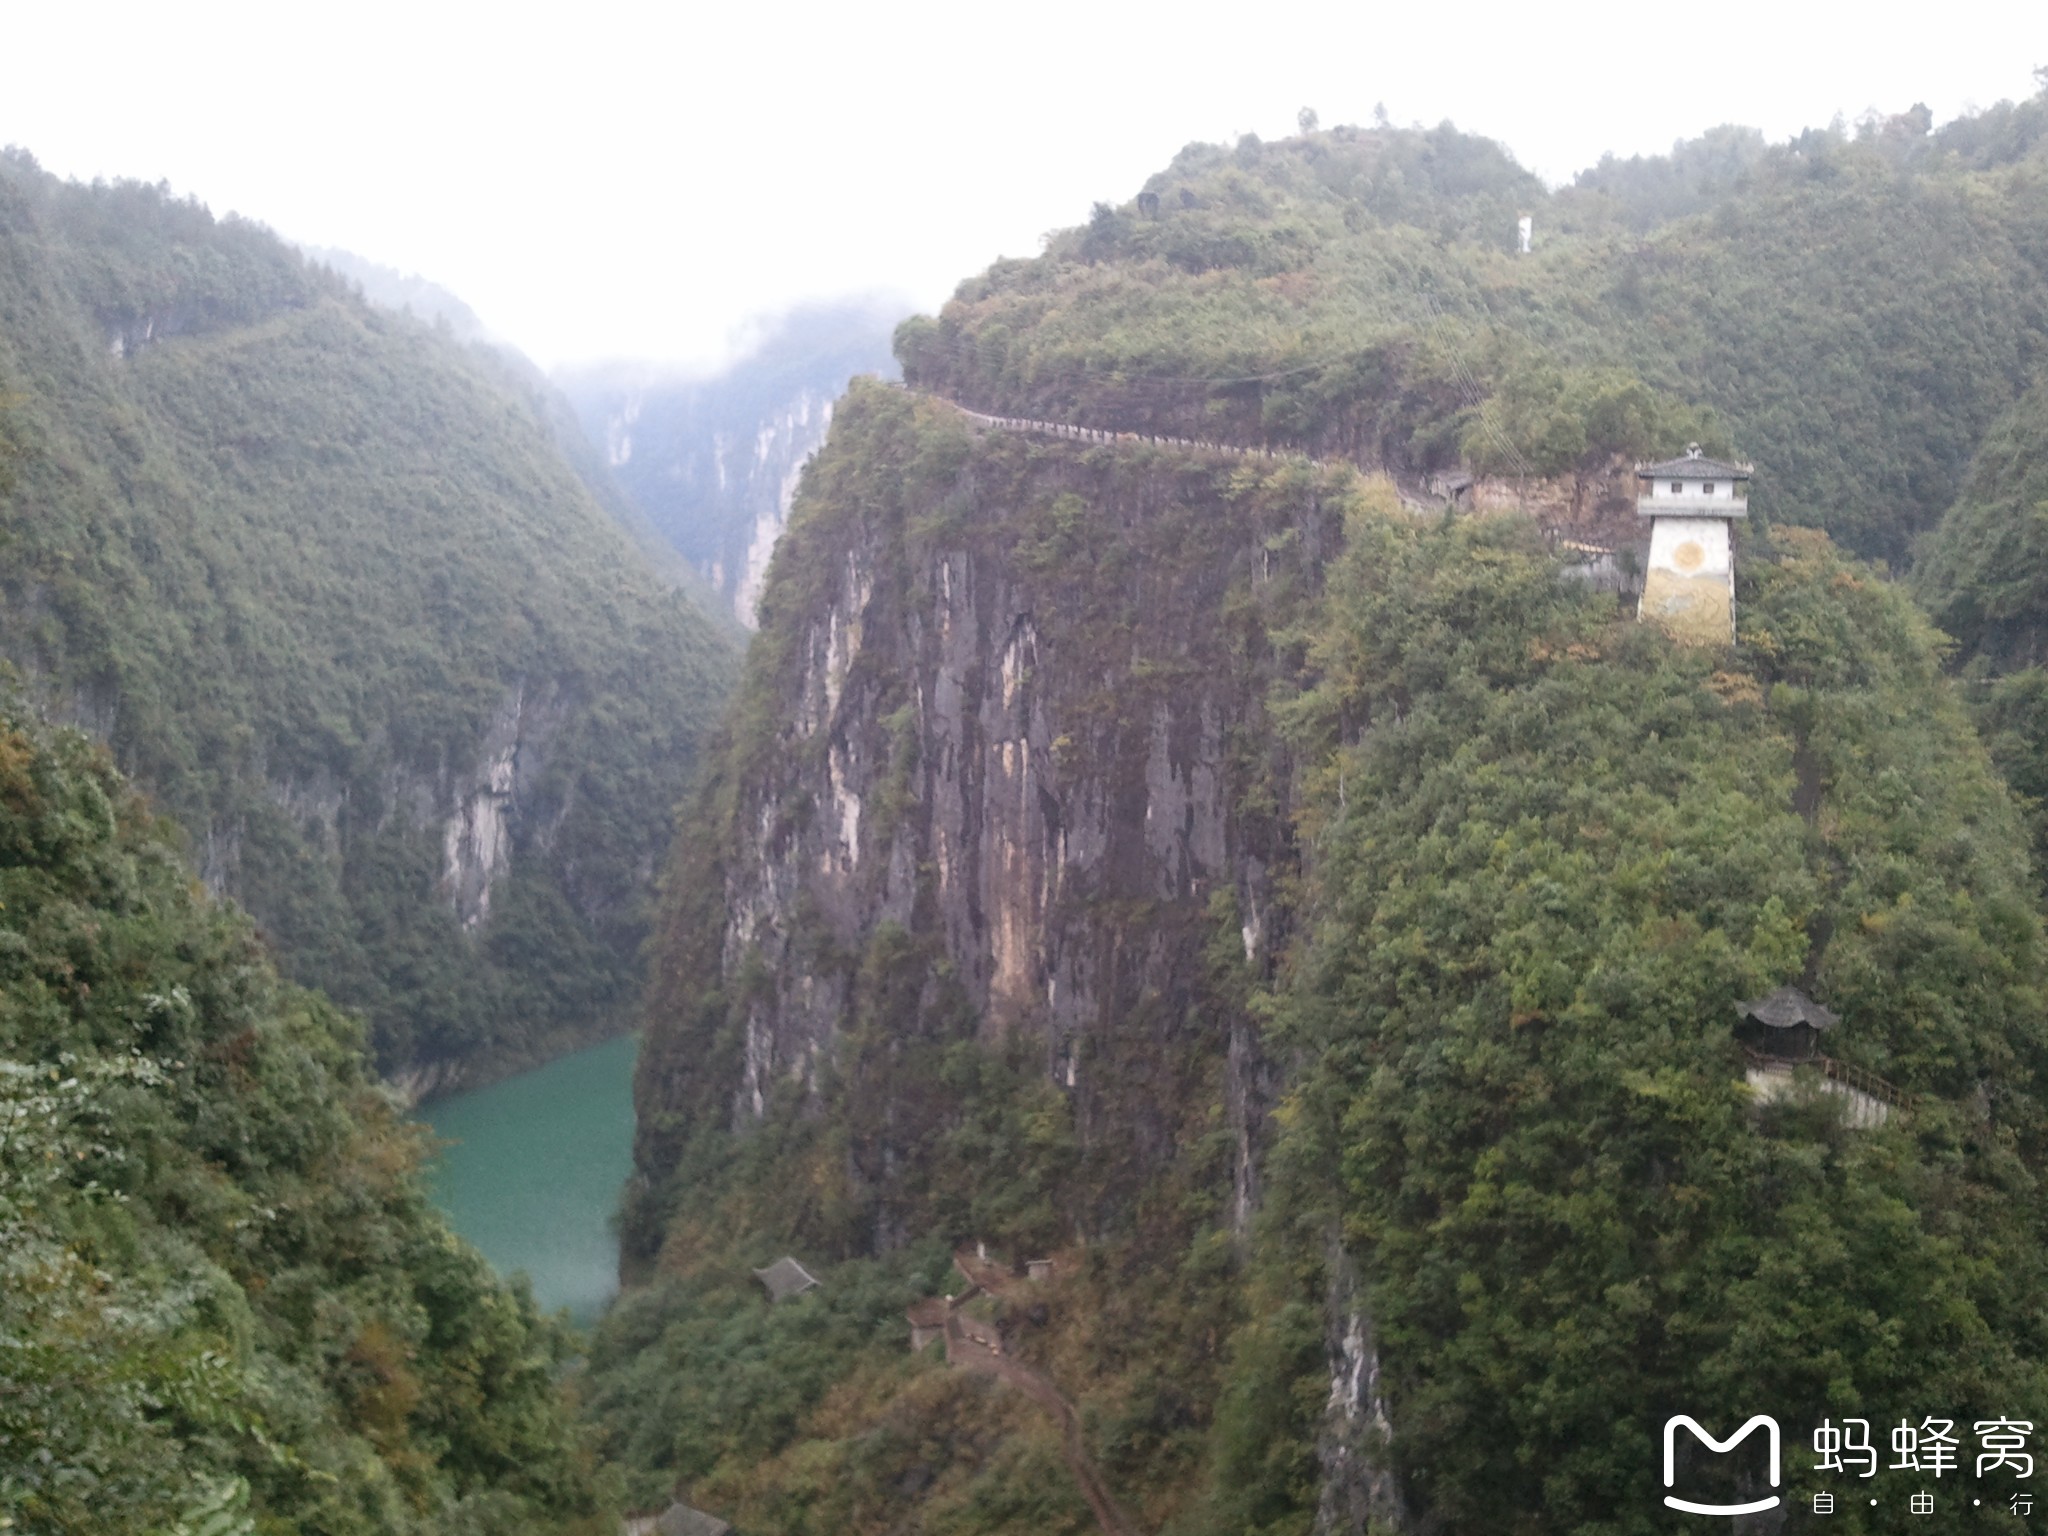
[1862,1079]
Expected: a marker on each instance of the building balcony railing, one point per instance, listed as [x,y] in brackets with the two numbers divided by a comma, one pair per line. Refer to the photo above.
[1692,506]
[1861,1079]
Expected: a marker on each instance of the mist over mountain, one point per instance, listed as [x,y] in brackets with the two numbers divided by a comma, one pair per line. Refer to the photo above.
[407,292]
[713,462]
[1202,910]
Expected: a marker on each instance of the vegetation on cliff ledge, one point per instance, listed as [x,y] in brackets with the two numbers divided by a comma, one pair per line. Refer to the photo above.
[1543,851]
[225,1302]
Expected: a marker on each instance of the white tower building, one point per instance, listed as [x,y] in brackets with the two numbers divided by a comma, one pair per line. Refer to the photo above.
[1690,585]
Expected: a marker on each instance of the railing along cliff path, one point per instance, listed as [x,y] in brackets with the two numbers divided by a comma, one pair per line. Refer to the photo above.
[1076,432]
[1861,1079]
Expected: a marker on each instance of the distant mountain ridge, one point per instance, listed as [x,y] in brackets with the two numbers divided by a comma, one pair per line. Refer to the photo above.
[713,462]
[409,291]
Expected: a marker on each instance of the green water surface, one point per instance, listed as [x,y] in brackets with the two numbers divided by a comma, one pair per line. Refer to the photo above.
[535,1168]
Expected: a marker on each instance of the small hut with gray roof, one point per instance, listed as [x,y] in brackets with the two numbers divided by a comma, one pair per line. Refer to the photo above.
[785,1278]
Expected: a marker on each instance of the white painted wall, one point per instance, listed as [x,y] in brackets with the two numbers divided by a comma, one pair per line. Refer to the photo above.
[1692,547]
[1691,489]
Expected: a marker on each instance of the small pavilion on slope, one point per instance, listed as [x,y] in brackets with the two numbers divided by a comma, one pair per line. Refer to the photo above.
[1786,1026]
[1781,1038]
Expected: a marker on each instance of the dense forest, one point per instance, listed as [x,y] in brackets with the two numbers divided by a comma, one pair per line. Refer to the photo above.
[227,1306]
[327,582]
[1854,311]
[1316,925]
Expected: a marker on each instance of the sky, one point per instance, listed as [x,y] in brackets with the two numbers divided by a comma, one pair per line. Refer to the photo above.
[617,181]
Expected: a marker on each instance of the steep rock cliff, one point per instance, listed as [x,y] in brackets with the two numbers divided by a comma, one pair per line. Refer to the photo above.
[1011,708]
[965,932]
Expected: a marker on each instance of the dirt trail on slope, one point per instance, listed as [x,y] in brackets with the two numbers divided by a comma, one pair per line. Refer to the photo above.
[974,1346]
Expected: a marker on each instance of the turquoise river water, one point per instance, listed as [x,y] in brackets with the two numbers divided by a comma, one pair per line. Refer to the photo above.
[534,1171]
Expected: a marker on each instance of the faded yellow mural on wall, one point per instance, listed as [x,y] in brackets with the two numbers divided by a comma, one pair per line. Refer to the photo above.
[1689,586]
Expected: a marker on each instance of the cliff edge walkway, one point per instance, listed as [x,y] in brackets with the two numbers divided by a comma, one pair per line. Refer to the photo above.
[1075,432]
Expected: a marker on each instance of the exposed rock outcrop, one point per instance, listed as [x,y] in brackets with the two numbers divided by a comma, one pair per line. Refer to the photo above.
[1013,707]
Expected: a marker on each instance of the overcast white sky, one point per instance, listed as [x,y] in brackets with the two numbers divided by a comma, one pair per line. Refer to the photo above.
[614,180]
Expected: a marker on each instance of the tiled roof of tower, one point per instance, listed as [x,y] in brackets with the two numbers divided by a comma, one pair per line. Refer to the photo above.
[1692,467]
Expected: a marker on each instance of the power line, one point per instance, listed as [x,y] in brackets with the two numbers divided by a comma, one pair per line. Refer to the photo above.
[1469,389]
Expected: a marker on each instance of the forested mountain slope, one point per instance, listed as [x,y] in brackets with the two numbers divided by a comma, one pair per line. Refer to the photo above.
[1856,312]
[225,1302]
[1317,928]
[412,294]
[326,585]
[1983,573]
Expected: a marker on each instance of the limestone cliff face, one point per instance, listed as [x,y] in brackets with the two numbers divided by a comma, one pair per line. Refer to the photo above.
[477,812]
[1007,716]
[1013,705]
[1005,768]
[1021,816]
[491,806]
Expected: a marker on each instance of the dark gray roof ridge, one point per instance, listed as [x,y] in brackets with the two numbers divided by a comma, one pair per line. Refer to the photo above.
[1786,1007]
[1692,466]
[786,1277]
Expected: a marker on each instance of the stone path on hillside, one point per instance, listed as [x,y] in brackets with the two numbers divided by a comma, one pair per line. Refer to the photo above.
[974,1346]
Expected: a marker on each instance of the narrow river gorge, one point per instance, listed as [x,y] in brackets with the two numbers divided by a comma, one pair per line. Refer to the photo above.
[532,1168]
